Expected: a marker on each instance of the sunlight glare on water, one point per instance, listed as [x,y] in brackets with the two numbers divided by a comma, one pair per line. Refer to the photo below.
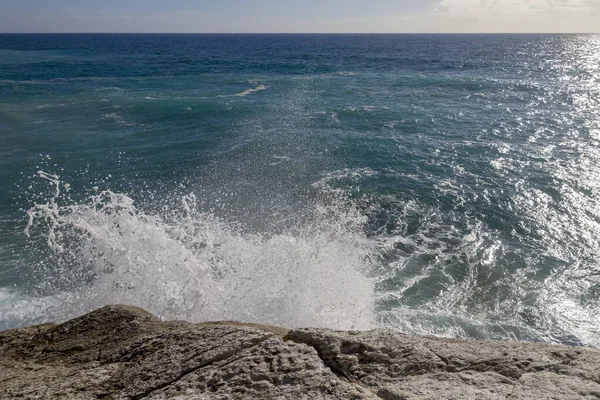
[438,184]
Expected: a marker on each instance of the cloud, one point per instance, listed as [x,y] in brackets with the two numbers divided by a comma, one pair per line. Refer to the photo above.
[516,16]
[513,8]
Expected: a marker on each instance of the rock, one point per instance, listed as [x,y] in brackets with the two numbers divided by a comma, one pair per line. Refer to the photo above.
[121,352]
[395,365]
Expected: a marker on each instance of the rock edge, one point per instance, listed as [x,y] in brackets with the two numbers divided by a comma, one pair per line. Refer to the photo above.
[124,352]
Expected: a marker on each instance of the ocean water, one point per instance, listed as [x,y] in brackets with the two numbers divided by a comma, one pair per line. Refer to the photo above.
[439,184]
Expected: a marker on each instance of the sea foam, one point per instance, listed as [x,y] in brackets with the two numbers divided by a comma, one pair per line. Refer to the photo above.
[186,264]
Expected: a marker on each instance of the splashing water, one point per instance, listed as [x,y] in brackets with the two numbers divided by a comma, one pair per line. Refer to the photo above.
[190,265]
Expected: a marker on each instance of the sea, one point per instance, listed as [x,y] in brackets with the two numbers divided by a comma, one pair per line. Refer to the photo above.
[440,184]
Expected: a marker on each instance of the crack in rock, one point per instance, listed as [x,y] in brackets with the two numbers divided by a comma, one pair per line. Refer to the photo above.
[204,364]
[122,352]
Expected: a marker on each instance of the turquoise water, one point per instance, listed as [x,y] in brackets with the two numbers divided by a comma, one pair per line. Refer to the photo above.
[443,184]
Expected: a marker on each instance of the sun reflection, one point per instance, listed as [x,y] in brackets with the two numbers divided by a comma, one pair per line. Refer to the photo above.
[563,197]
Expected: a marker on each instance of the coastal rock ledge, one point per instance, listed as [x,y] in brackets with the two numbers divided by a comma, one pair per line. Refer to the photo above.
[122,352]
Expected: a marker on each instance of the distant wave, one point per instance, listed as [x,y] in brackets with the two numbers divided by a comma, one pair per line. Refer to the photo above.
[54,80]
[258,88]
[250,91]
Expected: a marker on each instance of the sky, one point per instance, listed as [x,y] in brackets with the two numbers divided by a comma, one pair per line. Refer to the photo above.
[318,16]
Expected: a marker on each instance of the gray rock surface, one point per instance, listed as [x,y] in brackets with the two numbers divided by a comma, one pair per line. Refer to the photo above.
[121,352]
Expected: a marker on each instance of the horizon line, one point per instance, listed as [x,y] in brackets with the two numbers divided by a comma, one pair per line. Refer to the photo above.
[300,33]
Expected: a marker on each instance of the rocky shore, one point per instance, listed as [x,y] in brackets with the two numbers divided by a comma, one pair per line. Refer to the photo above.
[122,352]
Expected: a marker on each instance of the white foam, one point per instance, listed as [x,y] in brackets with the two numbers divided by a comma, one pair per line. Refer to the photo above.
[118,119]
[18,309]
[189,265]
[346,174]
[344,73]
[250,91]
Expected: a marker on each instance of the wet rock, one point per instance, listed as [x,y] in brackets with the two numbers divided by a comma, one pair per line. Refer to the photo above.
[121,352]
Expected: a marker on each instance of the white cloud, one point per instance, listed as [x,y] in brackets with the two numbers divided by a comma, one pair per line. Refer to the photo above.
[517,15]
[513,8]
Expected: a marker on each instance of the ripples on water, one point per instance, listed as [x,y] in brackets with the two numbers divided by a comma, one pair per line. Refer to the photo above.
[434,184]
